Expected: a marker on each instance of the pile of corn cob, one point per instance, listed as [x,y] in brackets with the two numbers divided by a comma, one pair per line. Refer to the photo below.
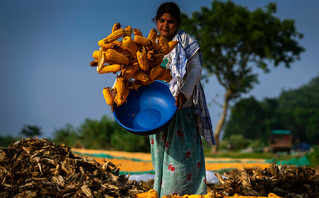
[136,61]
[153,194]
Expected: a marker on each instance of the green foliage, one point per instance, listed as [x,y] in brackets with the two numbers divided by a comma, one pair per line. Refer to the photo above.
[96,134]
[30,131]
[313,156]
[253,155]
[296,110]
[5,141]
[66,135]
[300,108]
[101,134]
[237,142]
[254,119]
[224,144]
[241,119]
[125,141]
[234,39]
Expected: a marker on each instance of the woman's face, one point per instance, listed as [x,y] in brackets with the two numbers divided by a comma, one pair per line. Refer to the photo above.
[167,25]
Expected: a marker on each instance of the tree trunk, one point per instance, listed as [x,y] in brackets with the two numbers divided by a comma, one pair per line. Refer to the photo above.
[221,121]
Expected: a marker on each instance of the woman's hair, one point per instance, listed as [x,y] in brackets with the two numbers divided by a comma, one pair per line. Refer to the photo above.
[171,8]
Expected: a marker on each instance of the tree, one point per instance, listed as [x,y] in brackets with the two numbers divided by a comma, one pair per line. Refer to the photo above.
[300,108]
[254,119]
[67,135]
[296,110]
[246,119]
[234,40]
[30,131]
[96,134]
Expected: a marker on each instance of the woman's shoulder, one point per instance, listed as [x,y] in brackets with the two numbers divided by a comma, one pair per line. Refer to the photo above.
[188,42]
[185,36]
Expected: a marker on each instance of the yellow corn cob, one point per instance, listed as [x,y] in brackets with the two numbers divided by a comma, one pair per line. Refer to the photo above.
[94,63]
[96,54]
[128,71]
[109,62]
[141,76]
[116,26]
[152,35]
[137,32]
[119,86]
[195,196]
[273,195]
[130,45]
[172,45]
[150,194]
[128,31]
[119,101]
[113,55]
[155,72]
[111,45]
[103,43]
[136,84]
[158,59]
[150,55]
[164,45]
[142,40]
[110,69]
[147,82]
[155,46]
[116,44]
[129,85]
[142,59]
[165,75]
[132,58]
[109,99]
[114,35]
[121,49]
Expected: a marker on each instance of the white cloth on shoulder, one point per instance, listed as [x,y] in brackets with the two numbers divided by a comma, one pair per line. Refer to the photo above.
[186,48]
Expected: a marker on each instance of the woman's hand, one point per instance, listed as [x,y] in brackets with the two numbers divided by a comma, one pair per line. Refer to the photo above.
[180,100]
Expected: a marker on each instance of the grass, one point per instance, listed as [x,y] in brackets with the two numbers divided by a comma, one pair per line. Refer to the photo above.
[252,155]
[313,156]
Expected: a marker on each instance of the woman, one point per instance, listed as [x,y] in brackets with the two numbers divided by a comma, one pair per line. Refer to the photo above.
[177,152]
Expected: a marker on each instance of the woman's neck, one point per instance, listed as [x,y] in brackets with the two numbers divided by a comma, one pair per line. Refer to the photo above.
[171,37]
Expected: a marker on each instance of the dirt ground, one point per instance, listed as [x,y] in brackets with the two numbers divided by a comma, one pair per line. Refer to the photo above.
[142,162]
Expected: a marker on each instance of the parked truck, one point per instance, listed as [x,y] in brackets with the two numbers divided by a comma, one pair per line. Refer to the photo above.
[280,141]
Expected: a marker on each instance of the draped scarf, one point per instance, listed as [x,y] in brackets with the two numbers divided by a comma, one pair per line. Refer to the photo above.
[186,48]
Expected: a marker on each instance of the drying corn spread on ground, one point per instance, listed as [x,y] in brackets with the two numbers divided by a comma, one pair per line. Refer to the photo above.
[153,194]
[39,168]
[136,59]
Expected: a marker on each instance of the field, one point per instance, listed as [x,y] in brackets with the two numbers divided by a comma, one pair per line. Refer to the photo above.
[40,168]
[135,163]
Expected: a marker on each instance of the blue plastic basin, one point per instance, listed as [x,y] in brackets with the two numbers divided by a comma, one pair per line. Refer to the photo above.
[147,110]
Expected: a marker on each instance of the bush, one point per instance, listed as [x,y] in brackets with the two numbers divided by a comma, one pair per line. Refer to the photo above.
[313,156]
[67,135]
[237,142]
[5,141]
[125,141]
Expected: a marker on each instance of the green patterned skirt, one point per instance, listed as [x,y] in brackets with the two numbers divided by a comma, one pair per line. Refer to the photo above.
[178,157]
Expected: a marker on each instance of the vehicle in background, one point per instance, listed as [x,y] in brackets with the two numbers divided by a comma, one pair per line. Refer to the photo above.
[280,141]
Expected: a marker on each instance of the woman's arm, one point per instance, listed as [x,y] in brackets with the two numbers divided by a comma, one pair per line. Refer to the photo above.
[194,73]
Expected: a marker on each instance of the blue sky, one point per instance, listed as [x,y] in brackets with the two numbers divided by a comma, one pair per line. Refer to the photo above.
[46,47]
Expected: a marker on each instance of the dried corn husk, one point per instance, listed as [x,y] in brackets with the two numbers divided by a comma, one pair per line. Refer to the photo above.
[38,168]
[275,181]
